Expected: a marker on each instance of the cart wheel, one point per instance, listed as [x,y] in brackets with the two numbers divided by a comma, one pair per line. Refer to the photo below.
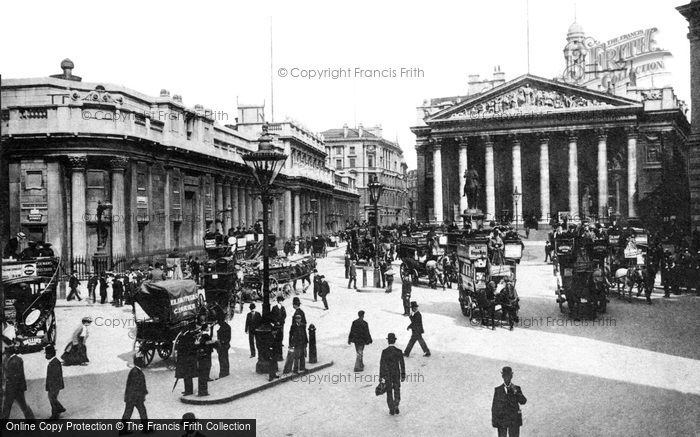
[403,272]
[164,350]
[148,355]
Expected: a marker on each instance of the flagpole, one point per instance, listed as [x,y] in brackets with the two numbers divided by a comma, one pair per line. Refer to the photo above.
[272,90]
[527,22]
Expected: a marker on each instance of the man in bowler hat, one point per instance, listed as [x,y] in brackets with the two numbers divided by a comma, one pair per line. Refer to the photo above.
[392,371]
[54,381]
[505,410]
[416,328]
[135,393]
[252,321]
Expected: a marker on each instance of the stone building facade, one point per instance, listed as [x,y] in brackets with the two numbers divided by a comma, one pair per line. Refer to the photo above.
[161,172]
[565,147]
[364,153]
[691,12]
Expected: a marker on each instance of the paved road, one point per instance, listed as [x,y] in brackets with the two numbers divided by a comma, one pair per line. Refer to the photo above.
[636,372]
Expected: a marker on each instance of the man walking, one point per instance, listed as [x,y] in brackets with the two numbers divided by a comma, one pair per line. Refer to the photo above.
[135,393]
[317,284]
[54,382]
[252,321]
[92,285]
[406,288]
[505,409]
[353,275]
[223,336]
[392,371]
[324,290]
[416,328]
[15,384]
[73,284]
[359,334]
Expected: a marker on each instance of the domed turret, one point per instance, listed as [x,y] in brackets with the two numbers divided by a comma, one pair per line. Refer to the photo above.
[575,31]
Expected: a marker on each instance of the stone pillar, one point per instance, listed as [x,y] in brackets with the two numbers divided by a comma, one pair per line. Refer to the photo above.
[297,215]
[288,215]
[573,175]
[490,178]
[226,188]
[118,164]
[602,171]
[249,207]
[242,206]
[234,203]
[632,135]
[167,192]
[544,178]
[78,165]
[419,206]
[517,179]
[437,183]
[463,166]
[219,204]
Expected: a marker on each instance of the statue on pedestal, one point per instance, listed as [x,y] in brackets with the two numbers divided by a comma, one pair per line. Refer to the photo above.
[472,187]
[102,232]
[586,202]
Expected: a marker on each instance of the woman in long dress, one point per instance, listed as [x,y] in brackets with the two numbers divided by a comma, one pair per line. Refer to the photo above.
[75,352]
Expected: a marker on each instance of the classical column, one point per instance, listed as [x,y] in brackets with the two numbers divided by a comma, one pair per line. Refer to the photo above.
[249,203]
[288,214]
[167,223]
[517,178]
[490,178]
[463,165]
[632,134]
[297,215]
[219,203]
[573,176]
[78,204]
[544,178]
[602,171]
[226,188]
[437,183]
[234,203]
[118,165]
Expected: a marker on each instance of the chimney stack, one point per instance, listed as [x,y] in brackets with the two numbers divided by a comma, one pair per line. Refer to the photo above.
[345,130]
[359,130]
[499,77]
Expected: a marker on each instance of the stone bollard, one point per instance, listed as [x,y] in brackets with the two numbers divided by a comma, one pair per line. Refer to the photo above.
[312,345]
[364,277]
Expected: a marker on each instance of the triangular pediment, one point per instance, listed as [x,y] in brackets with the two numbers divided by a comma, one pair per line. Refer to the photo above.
[529,95]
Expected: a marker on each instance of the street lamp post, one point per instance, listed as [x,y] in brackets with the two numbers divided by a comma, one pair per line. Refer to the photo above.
[375,192]
[266,164]
[516,200]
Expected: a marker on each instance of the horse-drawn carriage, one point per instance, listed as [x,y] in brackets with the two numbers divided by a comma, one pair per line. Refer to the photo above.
[172,307]
[583,287]
[30,297]
[420,255]
[284,273]
[487,281]
[627,260]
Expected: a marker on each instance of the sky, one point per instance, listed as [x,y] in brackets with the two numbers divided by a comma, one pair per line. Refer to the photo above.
[216,53]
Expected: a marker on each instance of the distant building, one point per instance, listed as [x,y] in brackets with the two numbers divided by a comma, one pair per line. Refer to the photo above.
[598,141]
[364,153]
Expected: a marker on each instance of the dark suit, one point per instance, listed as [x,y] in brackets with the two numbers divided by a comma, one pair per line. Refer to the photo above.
[416,327]
[54,384]
[224,337]
[15,386]
[279,315]
[73,284]
[298,341]
[393,370]
[301,313]
[505,410]
[317,286]
[252,321]
[135,395]
[324,291]
[359,334]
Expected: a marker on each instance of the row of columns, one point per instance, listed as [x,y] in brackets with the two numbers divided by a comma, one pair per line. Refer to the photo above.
[573,181]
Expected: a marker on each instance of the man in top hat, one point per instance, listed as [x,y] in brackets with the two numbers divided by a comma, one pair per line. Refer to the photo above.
[252,321]
[392,371]
[54,381]
[45,249]
[416,328]
[279,315]
[296,303]
[223,336]
[13,246]
[505,409]
[30,252]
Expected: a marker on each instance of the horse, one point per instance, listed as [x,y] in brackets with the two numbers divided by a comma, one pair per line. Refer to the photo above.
[628,278]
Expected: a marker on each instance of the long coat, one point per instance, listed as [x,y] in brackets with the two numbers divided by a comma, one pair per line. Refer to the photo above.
[300,312]
[325,289]
[186,365]
[359,333]
[279,314]
[505,409]
[297,336]
[14,375]
[135,386]
[416,323]
[252,321]
[391,366]
[54,375]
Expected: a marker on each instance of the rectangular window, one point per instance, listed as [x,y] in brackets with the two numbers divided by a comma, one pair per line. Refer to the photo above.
[34,180]
[176,192]
[352,162]
[352,150]
[338,164]
[370,161]
[141,181]
[95,179]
